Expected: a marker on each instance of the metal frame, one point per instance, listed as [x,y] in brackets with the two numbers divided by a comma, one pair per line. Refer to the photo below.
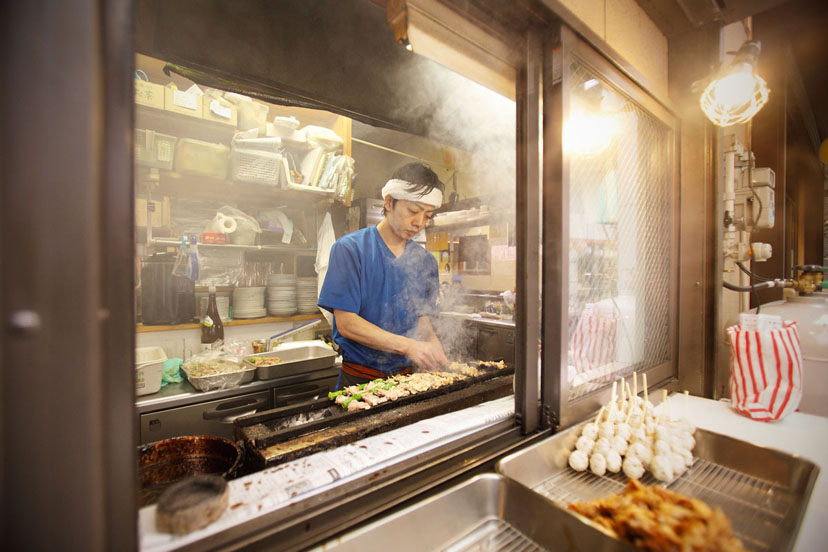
[527,323]
[67,387]
[556,225]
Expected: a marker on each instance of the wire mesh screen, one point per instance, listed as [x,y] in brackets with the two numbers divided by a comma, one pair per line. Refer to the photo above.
[620,233]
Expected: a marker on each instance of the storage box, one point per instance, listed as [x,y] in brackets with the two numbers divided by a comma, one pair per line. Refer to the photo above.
[182,102]
[153,149]
[160,214]
[149,364]
[220,111]
[201,158]
[261,167]
[149,94]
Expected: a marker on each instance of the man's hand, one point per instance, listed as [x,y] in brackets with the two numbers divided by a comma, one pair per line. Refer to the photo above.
[427,354]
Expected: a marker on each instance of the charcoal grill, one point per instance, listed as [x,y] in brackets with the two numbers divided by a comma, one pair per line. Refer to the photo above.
[281,434]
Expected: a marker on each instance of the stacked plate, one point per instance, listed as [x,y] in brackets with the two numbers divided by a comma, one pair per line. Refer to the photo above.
[248,302]
[306,295]
[281,294]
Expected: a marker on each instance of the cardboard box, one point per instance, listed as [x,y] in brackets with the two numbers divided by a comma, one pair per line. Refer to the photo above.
[182,102]
[220,111]
[149,94]
[160,216]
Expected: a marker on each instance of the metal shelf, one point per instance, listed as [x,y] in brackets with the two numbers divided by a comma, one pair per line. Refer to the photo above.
[172,242]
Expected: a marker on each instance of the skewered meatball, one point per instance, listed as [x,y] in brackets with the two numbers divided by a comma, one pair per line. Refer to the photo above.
[585,444]
[662,447]
[590,430]
[687,456]
[678,464]
[598,464]
[613,461]
[624,431]
[641,451]
[662,467]
[602,446]
[606,430]
[578,460]
[633,467]
[619,444]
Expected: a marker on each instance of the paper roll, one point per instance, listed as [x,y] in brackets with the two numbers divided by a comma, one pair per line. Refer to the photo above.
[226,224]
[221,224]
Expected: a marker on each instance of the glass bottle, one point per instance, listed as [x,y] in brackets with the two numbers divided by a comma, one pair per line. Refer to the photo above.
[212,329]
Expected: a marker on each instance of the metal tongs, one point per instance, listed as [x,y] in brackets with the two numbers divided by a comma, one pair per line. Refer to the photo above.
[271,341]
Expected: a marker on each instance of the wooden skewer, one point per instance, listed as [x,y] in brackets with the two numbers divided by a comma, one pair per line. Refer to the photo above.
[623,392]
[614,388]
[630,393]
[629,414]
[666,406]
[635,384]
[600,413]
[646,398]
[686,395]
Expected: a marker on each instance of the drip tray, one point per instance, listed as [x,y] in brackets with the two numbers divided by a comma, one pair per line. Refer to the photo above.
[484,513]
[764,492]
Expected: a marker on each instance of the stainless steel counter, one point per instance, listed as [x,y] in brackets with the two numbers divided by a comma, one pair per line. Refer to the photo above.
[182,394]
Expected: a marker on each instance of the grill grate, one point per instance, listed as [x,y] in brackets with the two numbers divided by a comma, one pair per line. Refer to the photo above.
[494,535]
[756,508]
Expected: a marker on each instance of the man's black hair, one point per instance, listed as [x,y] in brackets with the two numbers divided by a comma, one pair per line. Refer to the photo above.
[421,177]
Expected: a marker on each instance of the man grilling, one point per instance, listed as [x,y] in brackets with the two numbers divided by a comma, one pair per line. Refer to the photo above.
[382,287]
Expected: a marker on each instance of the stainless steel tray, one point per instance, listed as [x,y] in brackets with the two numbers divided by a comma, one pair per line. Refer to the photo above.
[763,491]
[294,360]
[487,512]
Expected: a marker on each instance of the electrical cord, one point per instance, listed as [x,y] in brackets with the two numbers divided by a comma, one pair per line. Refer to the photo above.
[750,281]
[752,274]
[761,285]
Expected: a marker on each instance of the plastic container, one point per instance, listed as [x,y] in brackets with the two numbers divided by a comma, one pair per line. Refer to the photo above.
[149,363]
[202,158]
[260,167]
[165,299]
[153,149]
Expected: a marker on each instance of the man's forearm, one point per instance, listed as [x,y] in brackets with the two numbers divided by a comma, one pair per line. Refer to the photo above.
[356,328]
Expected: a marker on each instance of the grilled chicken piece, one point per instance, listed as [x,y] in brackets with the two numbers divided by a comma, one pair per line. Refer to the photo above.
[358,405]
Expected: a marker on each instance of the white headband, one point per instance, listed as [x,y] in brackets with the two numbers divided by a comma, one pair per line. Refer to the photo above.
[398,189]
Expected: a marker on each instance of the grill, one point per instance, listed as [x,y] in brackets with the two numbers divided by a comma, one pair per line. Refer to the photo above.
[291,432]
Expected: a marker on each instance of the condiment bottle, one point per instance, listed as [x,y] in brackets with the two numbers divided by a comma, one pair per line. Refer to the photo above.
[212,329]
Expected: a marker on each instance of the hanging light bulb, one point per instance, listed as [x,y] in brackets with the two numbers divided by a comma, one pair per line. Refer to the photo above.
[739,93]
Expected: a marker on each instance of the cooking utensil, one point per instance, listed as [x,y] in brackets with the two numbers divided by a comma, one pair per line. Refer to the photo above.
[162,463]
[191,504]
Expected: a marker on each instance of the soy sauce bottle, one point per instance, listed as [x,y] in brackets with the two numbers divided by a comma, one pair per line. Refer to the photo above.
[212,329]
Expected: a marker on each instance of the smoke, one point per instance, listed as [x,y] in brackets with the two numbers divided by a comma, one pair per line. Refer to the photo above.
[459,112]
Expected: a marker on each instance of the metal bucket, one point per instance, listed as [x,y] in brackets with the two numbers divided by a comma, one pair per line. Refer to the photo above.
[164,462]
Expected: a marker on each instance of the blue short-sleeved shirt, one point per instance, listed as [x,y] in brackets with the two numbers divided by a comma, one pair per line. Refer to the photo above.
[364,277]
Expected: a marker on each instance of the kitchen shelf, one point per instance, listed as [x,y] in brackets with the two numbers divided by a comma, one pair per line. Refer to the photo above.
[172,242]
[175,184]
[140,328]
[183,126]
[488,220]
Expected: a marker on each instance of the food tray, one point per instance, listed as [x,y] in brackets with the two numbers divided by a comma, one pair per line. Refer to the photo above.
[229,380]
[763,491]
[487,512]
[295,360]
